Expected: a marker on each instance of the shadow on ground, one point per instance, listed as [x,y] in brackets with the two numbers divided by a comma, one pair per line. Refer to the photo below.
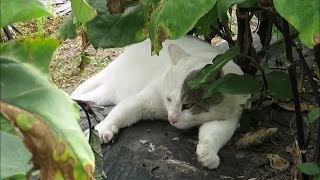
[156,150]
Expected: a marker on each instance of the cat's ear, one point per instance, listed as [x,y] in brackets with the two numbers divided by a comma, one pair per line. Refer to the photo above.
[175,53]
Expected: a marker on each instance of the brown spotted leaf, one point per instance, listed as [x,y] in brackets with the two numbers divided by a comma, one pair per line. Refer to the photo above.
[173,19]
[44,115]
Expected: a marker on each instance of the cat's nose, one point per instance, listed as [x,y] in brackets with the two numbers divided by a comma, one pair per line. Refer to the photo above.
[172,119]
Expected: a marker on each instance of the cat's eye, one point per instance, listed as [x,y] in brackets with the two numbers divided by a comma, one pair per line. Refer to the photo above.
[168,99]
[187,106]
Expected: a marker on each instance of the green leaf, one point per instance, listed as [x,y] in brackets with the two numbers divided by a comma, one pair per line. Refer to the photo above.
[304,16]
[5,125]
[116,30]
[173,19]
[35,52]
[313,115]
[82,11]
[309,168]
[12,11]
[95,144]
[208,23]
[14,156]
[279,85]
[41,111]
[209,71]
[68,29]
[233,84]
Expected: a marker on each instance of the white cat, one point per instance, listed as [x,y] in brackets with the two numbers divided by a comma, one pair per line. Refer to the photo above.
[154,87]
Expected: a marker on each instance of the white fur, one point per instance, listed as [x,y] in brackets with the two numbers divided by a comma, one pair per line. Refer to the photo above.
[140,85]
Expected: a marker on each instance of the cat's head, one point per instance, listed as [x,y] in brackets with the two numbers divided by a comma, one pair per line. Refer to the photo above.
[185,108]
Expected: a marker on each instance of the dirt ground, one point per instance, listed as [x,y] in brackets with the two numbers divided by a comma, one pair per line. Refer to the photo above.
[156,150]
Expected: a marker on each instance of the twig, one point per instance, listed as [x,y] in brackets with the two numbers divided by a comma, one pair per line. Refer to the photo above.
[229,40]
[293,80]
[309,74]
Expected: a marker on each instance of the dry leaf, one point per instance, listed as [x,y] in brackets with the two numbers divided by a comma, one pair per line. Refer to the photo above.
[305,106]
[295,152]
[226,177]
[255,138]
[277,162]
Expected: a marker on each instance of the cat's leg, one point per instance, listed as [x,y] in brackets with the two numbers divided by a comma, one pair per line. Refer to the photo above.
[212,136]
[144,105]
[90,84]
[102,95]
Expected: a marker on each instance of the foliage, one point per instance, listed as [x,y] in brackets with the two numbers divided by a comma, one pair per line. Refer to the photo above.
[279,85]
[16,10]
[163,26]
[313,115]
[233,84]
[304,16]
[68,30]
[116,23]
[42,115]
[114,30]
[13,162]
[211,70]
[82,11]
[310,168]
[58,121]
[97,151]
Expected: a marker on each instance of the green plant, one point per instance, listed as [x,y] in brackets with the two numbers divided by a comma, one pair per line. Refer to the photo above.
[127,22]
[311,169]
[40,26]
[41,114]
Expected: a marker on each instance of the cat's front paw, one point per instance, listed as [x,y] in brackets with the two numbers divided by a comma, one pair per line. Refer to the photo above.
[207,157]
[106,132]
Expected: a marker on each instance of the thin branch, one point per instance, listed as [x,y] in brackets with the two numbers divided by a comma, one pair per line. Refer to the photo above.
[229,40]
[293,80]
[309,74]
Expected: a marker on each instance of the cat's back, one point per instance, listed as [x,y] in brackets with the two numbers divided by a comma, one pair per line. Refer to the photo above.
[136,67]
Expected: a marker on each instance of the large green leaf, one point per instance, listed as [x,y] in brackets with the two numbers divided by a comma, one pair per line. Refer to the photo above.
[17,10]
[208,23]
[82,11]
[233,84]
[208,73]
[304,15]
[174,18]
[45,115]
[68,29]
[279,85]
[309,168]
[14,156]
[116,30]
[35,52]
